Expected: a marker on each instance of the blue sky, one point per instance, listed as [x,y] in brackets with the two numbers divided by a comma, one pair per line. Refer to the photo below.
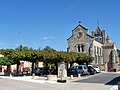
[50,22]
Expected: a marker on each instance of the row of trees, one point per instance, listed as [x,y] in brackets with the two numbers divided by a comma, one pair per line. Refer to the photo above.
[47,55]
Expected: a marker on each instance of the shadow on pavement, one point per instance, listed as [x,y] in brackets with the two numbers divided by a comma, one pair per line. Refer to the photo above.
[113,81]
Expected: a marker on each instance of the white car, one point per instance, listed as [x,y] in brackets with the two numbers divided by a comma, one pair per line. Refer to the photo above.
[97,69]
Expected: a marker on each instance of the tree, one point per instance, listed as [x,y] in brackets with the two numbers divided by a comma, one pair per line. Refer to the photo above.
[22,48]
[33,56]
[84,59]
[5,61]
[48,55]
[49,48]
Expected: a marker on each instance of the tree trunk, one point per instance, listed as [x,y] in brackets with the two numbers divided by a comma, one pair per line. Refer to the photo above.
[33,67]
[56,65]
[17,72]
[71,63]
[8,71]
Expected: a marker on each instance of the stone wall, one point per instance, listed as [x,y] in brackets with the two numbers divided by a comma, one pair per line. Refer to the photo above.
[75,40]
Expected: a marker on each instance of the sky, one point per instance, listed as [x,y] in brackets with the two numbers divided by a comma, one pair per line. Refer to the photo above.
[41,23]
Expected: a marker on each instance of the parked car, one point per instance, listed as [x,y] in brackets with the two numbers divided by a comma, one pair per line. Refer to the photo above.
[81,69]
[74,71]
[91,70]
[84,68]
[41,71]
[97,69]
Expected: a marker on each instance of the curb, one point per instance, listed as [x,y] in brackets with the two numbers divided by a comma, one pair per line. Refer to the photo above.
[29,79]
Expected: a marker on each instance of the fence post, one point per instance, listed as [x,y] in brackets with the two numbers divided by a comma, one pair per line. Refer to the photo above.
[71,76]
[79,76]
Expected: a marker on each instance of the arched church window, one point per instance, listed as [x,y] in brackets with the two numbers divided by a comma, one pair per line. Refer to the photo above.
[100,51]
[82,46]
[89,51]
[97,50]
[79,48]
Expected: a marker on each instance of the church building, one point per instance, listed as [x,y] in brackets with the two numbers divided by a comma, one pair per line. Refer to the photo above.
[98,45]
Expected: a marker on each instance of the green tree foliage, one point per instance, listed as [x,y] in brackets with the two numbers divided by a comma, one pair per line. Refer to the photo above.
[7,52]
[84,59]
[22,48]
[49,48]
[47,55]
[5,61]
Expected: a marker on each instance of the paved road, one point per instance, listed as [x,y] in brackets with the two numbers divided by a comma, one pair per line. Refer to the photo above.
[109,78]
[8,84]
[96,82]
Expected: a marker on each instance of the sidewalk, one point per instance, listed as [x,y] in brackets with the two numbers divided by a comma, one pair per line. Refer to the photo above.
[38,79]
[30,79]
[42,79]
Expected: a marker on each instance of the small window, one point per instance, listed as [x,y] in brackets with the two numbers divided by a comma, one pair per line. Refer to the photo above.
[97,50]
[79,48]
[100,51]
[80,34]
[82,48]
[85,67]
[80,67]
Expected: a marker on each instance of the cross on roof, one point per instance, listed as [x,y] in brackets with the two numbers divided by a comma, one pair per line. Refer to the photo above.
[79,22]
[97,23]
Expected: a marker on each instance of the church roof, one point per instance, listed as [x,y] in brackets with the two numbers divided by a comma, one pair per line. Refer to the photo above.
[69,38]
[90,36]
[80,26]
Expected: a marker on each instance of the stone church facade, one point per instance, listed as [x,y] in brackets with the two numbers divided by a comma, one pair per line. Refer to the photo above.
[97,45]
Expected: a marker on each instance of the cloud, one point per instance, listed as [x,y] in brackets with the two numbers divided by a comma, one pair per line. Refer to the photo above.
[45,38]
[49,37]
